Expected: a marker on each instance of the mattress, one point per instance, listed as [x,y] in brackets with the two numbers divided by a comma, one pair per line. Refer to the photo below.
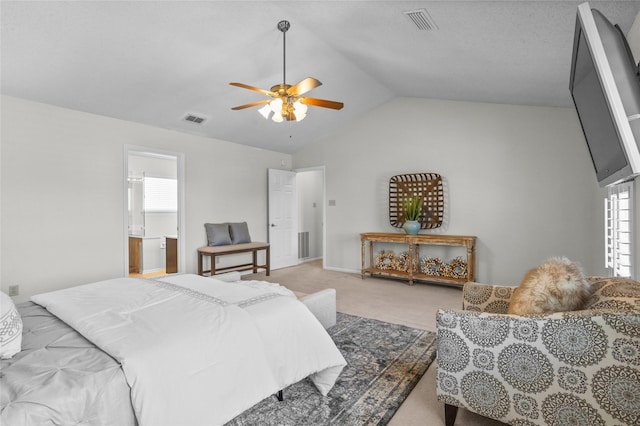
[39,385]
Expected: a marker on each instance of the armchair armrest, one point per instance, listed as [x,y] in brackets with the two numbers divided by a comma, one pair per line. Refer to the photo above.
[486,297]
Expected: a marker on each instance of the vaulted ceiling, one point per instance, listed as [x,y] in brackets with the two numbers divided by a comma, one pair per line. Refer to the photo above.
[154,62]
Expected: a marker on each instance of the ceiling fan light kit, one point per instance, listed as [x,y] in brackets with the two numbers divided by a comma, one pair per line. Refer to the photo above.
[287,104]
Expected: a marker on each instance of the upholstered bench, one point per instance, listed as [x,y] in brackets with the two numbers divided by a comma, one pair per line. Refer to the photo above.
[213,252]
[322,304]
[231,238]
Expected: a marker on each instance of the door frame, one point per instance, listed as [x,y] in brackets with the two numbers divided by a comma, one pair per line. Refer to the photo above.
[324,206]
[180,162]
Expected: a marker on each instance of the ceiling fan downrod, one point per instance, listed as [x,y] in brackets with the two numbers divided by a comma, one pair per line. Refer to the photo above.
[284,27]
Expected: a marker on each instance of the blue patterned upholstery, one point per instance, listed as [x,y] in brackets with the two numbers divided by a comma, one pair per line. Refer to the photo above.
[569,368]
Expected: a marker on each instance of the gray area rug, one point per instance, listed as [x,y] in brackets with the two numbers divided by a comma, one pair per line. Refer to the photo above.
[385,361]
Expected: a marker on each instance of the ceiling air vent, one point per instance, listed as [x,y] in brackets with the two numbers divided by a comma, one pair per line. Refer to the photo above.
[422,19]
[195,119]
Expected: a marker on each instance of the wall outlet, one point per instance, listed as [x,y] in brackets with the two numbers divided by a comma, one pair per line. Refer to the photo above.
[14,290]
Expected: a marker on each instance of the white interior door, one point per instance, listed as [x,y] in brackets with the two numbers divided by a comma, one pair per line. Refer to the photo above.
[283,218]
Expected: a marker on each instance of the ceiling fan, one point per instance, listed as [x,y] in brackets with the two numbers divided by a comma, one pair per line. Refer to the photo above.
[288,102]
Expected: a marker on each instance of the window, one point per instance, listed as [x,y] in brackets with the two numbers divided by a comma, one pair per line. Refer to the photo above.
[160,195]
[619,230]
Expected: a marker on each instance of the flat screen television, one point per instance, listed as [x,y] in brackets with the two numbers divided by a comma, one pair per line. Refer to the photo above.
[605,87]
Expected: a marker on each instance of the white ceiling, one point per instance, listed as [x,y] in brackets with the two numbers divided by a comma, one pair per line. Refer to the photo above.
[153,62]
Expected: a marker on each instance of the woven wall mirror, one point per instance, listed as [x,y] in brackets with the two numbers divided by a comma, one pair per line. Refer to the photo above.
[426,185]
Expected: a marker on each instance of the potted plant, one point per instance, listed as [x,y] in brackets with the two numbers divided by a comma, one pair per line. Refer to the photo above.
[412,210]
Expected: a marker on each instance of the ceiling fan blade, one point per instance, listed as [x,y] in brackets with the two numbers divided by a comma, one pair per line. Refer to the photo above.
[303,86]
[322,103]
[255,89]
[252,104]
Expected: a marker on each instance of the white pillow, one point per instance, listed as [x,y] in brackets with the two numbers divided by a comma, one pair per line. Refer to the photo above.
[10,328]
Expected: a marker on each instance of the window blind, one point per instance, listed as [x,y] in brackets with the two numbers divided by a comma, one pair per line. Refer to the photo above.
[619,230]
[160,195]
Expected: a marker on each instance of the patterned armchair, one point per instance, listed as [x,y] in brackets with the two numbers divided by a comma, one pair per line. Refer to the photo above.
[570,368]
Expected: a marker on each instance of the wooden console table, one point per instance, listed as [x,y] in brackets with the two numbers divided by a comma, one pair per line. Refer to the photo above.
[413,243]
[213,252]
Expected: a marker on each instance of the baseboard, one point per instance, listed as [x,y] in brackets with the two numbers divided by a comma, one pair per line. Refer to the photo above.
[349,271]
[301,261]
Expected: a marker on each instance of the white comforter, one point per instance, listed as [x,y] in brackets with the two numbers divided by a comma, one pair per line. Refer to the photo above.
[197,350]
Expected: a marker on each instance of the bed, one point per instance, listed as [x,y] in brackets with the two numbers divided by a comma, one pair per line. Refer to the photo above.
[181,349]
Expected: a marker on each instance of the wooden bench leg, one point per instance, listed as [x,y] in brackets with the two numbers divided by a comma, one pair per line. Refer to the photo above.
[268,254]
[450,412]
[213,254]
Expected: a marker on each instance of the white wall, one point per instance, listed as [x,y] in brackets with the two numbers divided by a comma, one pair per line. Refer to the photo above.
[152,166]
[62,202]
[519,178]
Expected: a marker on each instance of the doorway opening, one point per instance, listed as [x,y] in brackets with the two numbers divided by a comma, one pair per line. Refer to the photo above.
[311,214]
[296,216]
[154,212]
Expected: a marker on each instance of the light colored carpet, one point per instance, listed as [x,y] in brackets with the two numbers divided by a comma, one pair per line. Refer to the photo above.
[391,301]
